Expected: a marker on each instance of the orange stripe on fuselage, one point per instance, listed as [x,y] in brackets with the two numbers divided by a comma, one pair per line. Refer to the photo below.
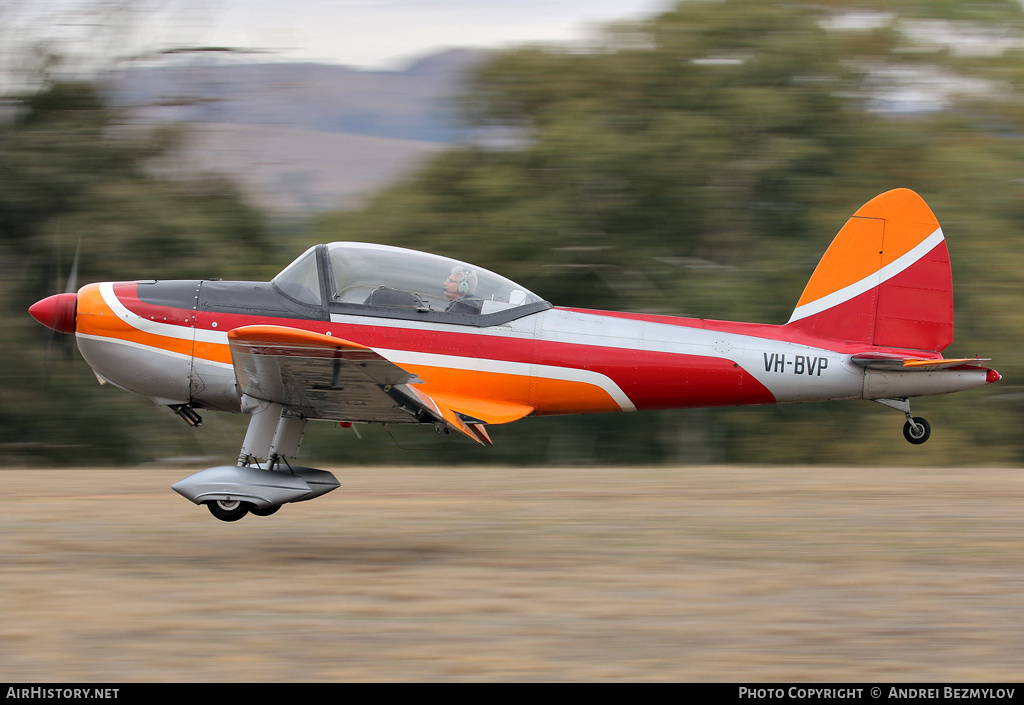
[213,352]
[95,317]
[559,396]
[546,395]
[871,239]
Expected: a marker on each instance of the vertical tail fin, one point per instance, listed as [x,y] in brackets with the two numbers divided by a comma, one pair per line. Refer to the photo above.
[885,279]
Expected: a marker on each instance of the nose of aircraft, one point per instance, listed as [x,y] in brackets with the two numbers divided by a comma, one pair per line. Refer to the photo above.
[56,312]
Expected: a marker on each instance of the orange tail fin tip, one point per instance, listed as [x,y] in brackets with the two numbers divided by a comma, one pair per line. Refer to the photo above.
[885,280]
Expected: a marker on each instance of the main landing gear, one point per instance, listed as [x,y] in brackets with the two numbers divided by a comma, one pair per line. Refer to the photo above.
[916,430]
[232,491]
[228,509]
[235,509]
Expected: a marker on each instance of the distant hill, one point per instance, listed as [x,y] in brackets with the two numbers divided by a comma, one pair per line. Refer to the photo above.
[299,136]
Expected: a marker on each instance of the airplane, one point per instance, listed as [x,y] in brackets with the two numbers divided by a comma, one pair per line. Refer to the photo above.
[367,333]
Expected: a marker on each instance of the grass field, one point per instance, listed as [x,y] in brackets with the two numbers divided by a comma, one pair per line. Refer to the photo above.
[667,573]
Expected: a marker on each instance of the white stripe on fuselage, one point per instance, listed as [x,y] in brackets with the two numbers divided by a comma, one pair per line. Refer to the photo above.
[399,357]
[525,369]
[134,345]
[795,381]
[148,325]
[830,380]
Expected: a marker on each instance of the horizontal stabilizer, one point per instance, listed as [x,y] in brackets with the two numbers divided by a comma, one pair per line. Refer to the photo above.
[894,361]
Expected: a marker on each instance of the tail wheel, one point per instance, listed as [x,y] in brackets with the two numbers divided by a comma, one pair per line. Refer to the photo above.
[917,430]
[228,509]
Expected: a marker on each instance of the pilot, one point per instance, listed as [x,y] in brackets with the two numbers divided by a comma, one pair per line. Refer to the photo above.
[460,288]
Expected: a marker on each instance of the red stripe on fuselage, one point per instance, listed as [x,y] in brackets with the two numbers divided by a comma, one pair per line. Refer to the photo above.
[651,380]
[128,294]
[661,380]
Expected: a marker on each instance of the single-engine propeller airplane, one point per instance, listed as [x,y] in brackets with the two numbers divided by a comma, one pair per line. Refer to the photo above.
[365,333]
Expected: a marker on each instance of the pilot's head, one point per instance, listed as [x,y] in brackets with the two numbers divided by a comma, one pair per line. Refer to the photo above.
[461,282]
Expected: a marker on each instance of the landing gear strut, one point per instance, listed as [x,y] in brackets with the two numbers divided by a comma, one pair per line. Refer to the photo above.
[916,430]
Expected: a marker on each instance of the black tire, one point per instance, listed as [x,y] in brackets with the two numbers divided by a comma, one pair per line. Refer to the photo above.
[919,434]
[228,510]
[266,511]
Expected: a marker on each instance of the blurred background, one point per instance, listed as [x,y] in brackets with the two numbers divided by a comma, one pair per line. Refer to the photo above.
[691,158]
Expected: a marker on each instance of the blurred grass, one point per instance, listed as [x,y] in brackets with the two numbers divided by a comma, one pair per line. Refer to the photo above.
[768,573]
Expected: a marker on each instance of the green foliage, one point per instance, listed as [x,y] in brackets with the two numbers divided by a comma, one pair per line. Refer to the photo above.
[699,163]
[73,176]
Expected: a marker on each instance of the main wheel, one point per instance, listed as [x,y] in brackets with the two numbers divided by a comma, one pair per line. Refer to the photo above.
[918,431]
[266,511]
[228,509]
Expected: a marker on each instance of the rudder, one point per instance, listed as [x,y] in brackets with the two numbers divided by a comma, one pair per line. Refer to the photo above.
[885,280]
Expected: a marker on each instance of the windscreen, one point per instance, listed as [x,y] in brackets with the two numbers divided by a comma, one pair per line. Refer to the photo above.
[300,280]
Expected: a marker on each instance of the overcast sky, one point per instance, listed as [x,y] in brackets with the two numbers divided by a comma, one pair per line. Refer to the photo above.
[378,33]
[373,32]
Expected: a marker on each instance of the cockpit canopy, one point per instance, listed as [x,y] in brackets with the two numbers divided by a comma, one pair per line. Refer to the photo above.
[379,280]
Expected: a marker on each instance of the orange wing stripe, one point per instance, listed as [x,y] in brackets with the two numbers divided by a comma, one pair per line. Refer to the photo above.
[281,335]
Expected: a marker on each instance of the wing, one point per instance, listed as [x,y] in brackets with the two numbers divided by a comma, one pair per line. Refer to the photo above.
[894,361]
[321,377]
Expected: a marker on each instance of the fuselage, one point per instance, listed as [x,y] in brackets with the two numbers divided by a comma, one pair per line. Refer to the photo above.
[168,341]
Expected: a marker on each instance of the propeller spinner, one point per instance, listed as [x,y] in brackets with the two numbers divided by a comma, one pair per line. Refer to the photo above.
[56,312]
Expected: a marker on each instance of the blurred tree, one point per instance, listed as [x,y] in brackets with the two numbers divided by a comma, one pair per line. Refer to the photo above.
[72,175]
[698,163]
